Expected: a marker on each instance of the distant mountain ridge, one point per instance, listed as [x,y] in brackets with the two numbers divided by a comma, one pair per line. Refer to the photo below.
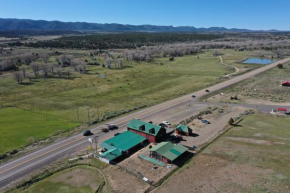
[28,24]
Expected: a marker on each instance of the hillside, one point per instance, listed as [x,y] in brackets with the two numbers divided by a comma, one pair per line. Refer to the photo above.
[27,24]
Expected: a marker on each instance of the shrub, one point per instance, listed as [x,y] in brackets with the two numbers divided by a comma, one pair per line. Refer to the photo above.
[231,121]
[280,66]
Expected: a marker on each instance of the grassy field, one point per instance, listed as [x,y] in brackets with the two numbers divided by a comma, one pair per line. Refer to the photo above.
[80,179]
[108,92]
[252,157]
[19,128]
[262,87]
[135,85]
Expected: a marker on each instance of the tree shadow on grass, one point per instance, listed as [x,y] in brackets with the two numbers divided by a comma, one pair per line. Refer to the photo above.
[27,83]
[124,67]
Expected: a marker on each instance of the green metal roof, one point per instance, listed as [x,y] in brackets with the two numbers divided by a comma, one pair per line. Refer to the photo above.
[123,141]
[111,154]
[169,150]
[183,128]
[144,127]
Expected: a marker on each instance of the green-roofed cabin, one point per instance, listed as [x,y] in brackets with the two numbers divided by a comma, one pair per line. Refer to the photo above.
[168,152]
[183,130]
[153,133]
[122,145]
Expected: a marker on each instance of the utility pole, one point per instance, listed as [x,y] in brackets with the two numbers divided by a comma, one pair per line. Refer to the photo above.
[98,114]
[96,143]
[78,113]
[88,108]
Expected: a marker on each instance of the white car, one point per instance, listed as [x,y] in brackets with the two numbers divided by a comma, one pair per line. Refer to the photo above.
[166,123]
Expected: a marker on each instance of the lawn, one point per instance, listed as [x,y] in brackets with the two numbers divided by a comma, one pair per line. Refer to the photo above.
[253,156]
[19,128]
[80,179]
[136,85]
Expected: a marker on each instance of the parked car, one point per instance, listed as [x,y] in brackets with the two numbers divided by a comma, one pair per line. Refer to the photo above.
[162,125]
[205,121]
[199,117]
[105,130]
[87,133]
[193,96]
[206,90]
[116,134]
[112,127]
[166,123]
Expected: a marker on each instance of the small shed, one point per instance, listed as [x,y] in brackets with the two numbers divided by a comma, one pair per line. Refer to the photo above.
[183,130]
[167,152]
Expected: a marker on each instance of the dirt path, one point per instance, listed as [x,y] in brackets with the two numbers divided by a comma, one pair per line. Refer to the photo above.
[237,70]
[104,188]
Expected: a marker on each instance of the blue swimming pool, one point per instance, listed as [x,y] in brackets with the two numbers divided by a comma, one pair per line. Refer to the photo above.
[264,61]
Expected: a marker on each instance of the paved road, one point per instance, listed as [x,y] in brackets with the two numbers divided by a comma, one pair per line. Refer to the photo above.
[16,169]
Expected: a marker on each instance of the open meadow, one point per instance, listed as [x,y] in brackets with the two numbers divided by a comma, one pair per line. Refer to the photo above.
[109,91]
[100,92]
[252,156]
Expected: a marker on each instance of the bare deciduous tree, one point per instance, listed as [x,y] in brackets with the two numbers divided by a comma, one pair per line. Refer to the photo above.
[27,58]
[51,67]
[23,69]
[120,62]
[59,72]
[65,60]
[45,57]
[35,68]
[108,62]
[7,65]
[18,76]
[29,76]
[68,73]
[45,69]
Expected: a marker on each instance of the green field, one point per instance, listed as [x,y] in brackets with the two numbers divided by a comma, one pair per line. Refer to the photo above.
[120,90]
[80,179]
[19,128]
[135,85]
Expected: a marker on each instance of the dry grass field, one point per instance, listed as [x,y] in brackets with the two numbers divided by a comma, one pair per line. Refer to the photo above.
[251,157]
[263,88]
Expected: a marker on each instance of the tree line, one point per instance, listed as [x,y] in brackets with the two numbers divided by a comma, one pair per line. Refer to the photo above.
[122,40]
[28,66]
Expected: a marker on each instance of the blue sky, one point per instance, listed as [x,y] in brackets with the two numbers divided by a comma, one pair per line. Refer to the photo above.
[249,14]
